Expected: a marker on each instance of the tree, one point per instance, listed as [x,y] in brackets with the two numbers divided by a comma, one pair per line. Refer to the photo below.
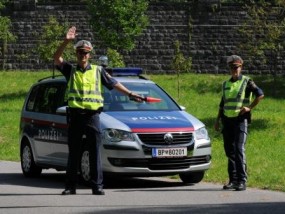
[117,23]
[263,31]
[115,59]
[180,64]
[6,35]
[50,39]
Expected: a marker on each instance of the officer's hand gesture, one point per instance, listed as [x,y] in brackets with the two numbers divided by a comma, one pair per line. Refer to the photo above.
[136,97]
[71,33]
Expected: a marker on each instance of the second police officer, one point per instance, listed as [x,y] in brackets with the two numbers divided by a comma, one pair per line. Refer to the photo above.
[235,114]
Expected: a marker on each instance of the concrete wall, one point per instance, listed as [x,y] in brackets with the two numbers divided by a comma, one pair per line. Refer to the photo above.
[206,29]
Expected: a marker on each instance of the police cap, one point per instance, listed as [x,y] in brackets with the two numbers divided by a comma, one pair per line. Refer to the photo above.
[83,45]
[234,60]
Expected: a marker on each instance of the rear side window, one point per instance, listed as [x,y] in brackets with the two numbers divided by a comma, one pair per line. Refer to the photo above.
[46,98]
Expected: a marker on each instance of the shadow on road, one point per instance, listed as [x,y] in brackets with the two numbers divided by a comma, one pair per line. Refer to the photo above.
[251,208]
[56,180]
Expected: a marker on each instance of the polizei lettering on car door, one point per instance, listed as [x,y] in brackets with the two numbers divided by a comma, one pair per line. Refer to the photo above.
[49,135]
[155,118]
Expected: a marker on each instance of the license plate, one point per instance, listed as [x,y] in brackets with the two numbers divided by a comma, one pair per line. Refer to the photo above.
[169,152]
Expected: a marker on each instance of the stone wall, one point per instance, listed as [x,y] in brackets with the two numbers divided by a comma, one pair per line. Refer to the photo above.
[206,29]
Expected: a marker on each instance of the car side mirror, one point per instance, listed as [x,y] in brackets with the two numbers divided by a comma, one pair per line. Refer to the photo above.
[61,110]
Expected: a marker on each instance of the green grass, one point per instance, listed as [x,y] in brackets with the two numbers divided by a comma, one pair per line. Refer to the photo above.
[200,94]
[14,87]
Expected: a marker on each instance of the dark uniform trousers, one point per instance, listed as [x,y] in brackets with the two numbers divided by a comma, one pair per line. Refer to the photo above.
[235,134]
[84,122]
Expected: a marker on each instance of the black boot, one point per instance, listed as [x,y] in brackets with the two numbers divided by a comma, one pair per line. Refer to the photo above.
[69,191]
[230,185]
[98,191]
[240,186]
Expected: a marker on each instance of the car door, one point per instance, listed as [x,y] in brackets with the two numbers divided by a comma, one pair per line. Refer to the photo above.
[49,128]
[59,145]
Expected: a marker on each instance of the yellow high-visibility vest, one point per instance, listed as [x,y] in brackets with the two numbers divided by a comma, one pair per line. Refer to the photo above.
[85,89]
[234,96]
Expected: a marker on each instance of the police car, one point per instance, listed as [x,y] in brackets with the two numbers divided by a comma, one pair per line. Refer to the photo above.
[156,137]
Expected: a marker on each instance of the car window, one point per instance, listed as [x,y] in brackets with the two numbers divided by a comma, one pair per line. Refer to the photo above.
[116,101]
[46,98]
[31,101]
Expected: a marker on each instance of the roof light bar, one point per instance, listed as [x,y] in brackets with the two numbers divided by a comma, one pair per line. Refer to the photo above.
[126,71]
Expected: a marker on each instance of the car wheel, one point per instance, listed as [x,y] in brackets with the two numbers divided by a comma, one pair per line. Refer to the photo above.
[191,177]
[84,165]
[28,165]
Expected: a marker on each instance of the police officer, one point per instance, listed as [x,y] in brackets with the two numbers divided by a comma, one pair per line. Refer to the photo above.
[85,104]
[235,114]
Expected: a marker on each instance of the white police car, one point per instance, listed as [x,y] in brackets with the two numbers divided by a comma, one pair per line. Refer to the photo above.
[152,138]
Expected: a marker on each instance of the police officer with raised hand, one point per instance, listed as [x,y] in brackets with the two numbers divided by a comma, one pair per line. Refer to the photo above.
[85,103]
[235,114]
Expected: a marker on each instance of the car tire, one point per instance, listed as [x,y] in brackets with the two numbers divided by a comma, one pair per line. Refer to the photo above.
[191,177]
[28,165]
[85,166]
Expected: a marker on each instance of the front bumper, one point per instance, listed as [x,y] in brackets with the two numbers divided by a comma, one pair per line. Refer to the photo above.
[135,158]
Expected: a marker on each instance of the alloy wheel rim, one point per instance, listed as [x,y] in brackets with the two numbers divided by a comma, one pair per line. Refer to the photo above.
[26,159]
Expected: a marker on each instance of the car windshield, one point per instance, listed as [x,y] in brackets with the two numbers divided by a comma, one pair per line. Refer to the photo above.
[116,101]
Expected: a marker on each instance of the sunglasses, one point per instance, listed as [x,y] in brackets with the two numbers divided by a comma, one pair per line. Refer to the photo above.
[234,67]
[83,52]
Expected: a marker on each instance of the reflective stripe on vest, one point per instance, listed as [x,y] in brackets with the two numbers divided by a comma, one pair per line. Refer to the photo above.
[85,89]
[234,96]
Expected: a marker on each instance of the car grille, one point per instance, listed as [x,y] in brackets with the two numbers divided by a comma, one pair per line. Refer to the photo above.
[160,163]
[158,138]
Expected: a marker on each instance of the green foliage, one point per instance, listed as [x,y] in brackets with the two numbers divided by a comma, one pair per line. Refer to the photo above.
[2,3]
[6,35]
[5,30]
[52,36]
[118,22]
[263,34]
[180,64]
[115,59]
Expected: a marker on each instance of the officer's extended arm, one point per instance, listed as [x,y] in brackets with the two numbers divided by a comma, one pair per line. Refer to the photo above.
[120,87]
[70,35]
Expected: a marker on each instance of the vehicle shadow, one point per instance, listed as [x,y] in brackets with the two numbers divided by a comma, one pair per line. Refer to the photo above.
[55,180]
[126,184]
[46,180]
[236,208]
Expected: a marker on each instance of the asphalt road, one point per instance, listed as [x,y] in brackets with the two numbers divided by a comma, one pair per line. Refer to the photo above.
[128,195]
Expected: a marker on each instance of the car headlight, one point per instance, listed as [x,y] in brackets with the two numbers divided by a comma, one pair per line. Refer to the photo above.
[202,133]
[116,135]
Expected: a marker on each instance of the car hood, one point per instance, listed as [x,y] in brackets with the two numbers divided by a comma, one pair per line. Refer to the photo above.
[158,121]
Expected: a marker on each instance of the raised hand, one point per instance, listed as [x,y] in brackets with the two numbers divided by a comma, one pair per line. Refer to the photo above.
[71,33]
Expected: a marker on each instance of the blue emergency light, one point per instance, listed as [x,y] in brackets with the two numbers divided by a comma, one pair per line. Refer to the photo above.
[126,71]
